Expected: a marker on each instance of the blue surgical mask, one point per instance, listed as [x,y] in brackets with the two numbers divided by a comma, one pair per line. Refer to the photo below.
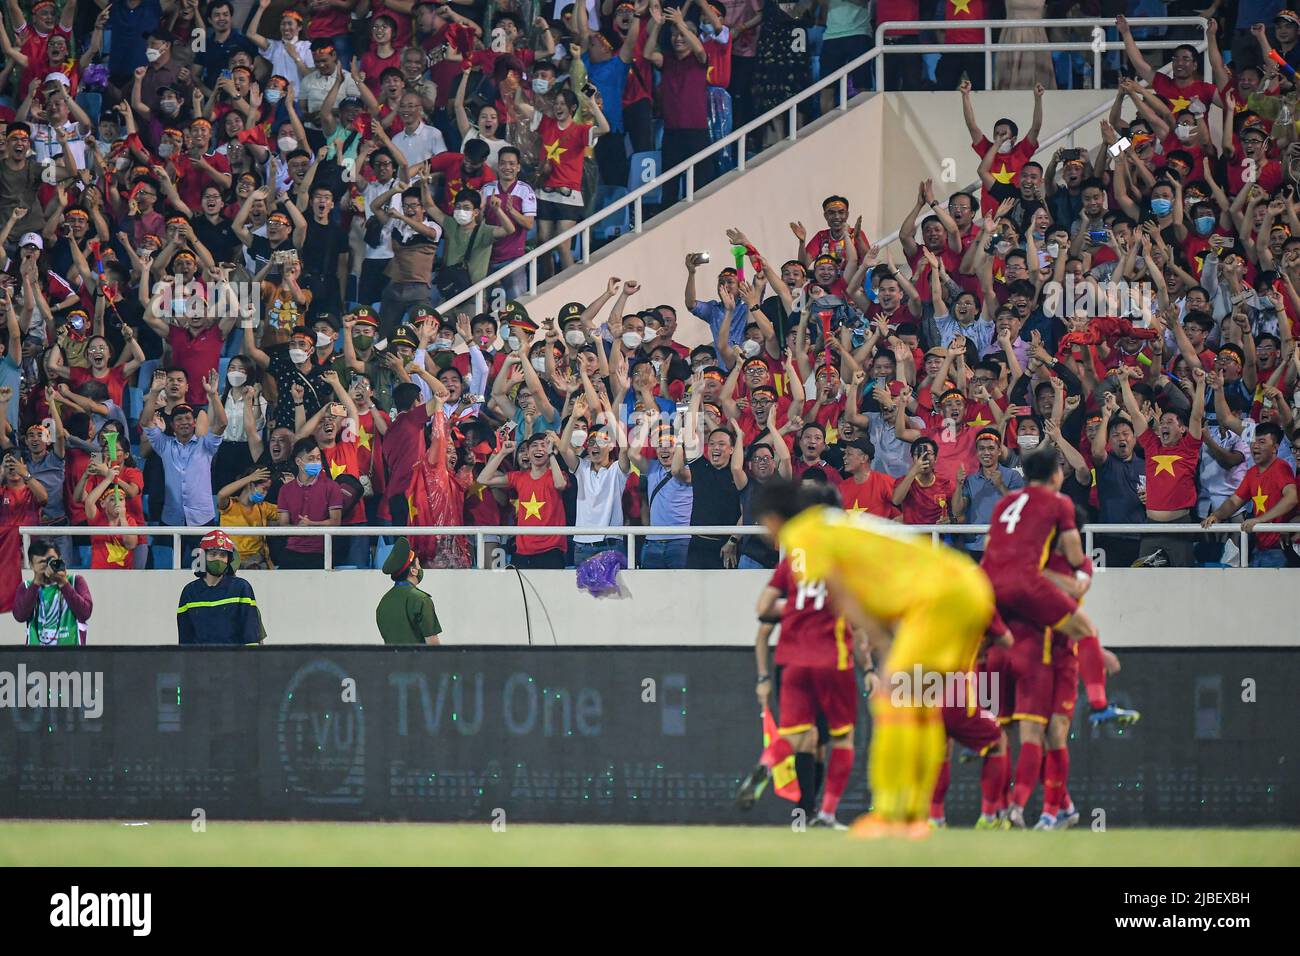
[312,468]
[1161,207]
[257,497]
[1204,225]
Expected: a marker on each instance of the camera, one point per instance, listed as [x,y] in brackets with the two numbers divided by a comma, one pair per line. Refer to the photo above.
[56,565]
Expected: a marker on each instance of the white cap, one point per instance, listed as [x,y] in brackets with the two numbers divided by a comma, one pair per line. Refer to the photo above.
[58,78]
[31,239]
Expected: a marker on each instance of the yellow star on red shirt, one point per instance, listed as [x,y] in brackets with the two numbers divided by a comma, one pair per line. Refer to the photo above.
[554,151]
[1165,462]
[1179,103]
[1260,499]
[117,553]
[532,507]
[979,421]
[960,6]
[1004,176]
[363,436]
[337,468]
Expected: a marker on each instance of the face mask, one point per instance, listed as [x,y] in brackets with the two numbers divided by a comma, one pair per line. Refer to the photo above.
[1028,441]
[152,55]
[1161,207]
[363,342]
[297,356]
[514,343]
[574,337]
[578,438]
[236,377]
[274,96]
[541,86]
[217,568]
[1006,146]
[1204,225]
[312,468]
[257,497]
[443,345]
[1053,249]
[166,149]
[632,339]
[464,216]
[539,363]
[323,340]
[170,108]
[1184,133]
[749,348]
[287,144]
[656,366]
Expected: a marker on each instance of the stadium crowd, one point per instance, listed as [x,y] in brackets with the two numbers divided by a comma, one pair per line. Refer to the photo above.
[223,268]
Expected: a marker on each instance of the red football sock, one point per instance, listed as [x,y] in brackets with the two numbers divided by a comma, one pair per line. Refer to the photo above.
[1093,671]
[1027,769]
[1055,767]
[991,784]
[1004,780]
[940,790]
[837,778]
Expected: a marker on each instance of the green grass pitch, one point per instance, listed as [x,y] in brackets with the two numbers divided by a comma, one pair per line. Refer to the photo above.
[166,843]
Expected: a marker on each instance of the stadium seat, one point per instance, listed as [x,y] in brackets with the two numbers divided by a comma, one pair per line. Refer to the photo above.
[615,224]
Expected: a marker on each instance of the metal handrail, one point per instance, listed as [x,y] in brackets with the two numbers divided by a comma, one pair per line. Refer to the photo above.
[631,532]
[790,107]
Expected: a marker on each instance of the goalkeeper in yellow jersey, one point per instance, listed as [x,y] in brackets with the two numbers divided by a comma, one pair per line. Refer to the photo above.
[928,604]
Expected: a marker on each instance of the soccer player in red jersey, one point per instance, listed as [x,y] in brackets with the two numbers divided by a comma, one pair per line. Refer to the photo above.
[1023,529]
[816,655]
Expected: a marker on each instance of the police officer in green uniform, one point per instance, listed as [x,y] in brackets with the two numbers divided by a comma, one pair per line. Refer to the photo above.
[405,614]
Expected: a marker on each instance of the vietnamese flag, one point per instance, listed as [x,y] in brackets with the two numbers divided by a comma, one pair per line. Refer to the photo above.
[778,757]
[964,10]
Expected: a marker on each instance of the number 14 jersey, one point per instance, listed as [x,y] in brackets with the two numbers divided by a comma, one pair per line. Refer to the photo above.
[812,634]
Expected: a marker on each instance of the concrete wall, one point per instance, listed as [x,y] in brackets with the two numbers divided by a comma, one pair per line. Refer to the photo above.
[875,154]
[1162,608]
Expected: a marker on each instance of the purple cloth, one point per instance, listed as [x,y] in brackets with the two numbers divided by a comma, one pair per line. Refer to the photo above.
[598,574]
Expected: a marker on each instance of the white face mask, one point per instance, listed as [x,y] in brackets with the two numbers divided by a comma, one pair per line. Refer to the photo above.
[464,216]
[578,438]
[1053,249]
[632,339]
[574,337]
[541,86]
[152,55]
[513,342]
[236,378]
[1028,442]
[1006,146]
[749,348]
[656,366]
[170,108]
[274,96]
[287,144]
[651,333]
[1184,133]
[297,356]
[443,345]
[539,363]
[323,340]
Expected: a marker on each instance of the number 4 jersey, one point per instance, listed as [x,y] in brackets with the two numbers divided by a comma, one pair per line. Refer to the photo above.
[812,634]
[1024,526]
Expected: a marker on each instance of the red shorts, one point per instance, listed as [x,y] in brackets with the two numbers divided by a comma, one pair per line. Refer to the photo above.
[997,664]
[807,690]
[1033,599]
[1031,668]
[979,730]
[1065,675]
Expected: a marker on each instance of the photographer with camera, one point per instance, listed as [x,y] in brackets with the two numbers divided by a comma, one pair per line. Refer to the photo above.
[55,605]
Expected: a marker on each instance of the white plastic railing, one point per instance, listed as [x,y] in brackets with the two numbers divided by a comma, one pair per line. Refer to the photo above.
[631,532]
[1099,45]
[790,109]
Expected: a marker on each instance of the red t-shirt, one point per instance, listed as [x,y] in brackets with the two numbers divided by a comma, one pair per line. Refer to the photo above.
[801,468]
[402,30]
[1264,489]
[564,149]
[342,458]
[109,552]
[373,65]
[812,634]
[538,504]
[198,355]
[194,180]
[446,74]
[449,164]
[1180,98]
[1022,529]
[114,381]
[927,504]
[718,59]
[17,506]
[1171,471]
[1007,166]
[887,10]
[970,10]
[874,496]
[329,22]
[954,448]
[33,46]
[402,448]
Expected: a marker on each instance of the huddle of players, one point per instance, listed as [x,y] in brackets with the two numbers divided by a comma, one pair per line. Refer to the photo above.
[1037,642]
